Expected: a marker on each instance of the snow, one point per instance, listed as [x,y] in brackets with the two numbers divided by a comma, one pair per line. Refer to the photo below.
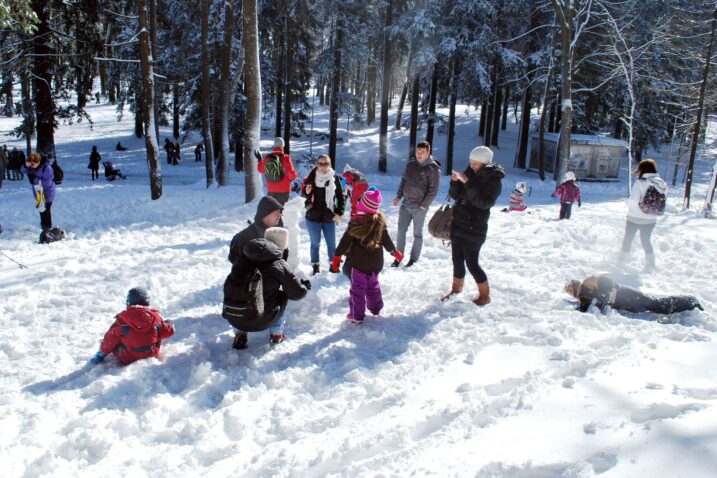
[524,387]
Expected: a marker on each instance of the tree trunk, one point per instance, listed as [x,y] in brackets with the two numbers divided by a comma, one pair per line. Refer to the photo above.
[279,106]
[498,102]
[401,103]
[700,107]
[27,111]
[150,138]
[42,80]
[452,114]
[224,104]
[489,116]
[432,105]
[252,82]
[288,65]
[138,113]
[566,73]
[7,91]
[483,114]
[155,57]
[413,134]
[524,135]
[335,84]
[175,110]
[371,88]
[385,90]
[504,121]
[205,95]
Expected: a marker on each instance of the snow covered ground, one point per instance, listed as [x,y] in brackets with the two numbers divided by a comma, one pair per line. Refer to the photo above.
[525,387]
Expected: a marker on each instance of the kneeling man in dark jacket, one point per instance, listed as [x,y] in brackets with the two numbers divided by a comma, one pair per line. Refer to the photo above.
[278,284]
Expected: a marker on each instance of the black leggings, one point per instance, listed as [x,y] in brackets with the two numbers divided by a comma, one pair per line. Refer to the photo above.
[633,300]
[467,255]
[46,217]
[631,229]
[565,210]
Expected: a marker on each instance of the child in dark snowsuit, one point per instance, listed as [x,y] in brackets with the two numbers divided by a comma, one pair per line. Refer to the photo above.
[363,243]
[137,332]
[568,192]
[94,165]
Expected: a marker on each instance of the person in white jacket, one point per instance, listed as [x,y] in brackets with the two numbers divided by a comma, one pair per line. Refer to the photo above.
[637,219]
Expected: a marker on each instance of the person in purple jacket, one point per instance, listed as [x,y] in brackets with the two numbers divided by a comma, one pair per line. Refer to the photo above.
[42,178]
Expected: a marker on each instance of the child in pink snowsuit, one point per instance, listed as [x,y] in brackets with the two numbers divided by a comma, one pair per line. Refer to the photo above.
[363,243]
[569,193]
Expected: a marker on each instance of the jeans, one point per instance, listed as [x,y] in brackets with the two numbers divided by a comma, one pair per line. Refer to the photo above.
[631,229]
[278,327]
[467,256]
[565,209]
[408,213]
[315,230]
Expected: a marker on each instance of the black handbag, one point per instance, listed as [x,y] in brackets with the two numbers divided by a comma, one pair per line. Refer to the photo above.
[440,224]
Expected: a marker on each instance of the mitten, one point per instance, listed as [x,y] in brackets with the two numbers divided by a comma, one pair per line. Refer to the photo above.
[306,283]
[335,264]
[398,255]
[257,154]
[99,357]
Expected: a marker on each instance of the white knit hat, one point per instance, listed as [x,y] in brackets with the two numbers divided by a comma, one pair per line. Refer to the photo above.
[279,142]
[278,235]
[569,176]
[482,154]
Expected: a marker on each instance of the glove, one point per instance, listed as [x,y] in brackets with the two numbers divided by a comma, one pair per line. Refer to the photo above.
[398,255]
[306,283]
[99,357]
[257,154]
[335,264]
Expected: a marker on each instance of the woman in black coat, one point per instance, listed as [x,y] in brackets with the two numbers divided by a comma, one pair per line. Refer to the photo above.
[475,191]
[324,207]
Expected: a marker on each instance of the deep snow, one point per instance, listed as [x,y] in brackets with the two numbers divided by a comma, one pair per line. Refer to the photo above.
[525,387]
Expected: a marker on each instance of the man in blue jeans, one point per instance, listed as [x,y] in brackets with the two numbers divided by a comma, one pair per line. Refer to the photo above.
[418,188]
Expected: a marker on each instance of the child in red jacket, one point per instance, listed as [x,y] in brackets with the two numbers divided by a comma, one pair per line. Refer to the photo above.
[569,192]
[137,332]
[278,169]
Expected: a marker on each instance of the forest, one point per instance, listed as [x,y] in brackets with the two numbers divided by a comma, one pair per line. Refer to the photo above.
[638,70]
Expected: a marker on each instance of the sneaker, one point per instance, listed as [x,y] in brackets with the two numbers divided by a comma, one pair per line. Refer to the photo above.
[276,338]
[351,318]
[240,341]
[411,262]
[315,268]
[395,263]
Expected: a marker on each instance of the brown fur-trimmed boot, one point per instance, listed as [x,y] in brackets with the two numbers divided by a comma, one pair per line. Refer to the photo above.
[456,288]
[483,294]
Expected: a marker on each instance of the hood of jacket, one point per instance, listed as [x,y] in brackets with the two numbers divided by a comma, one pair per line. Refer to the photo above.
[139,317]
[266,206]
[430,162]
[262,250]
[655,180]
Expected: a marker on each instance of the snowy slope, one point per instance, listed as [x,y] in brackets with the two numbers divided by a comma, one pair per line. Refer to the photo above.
[525,387]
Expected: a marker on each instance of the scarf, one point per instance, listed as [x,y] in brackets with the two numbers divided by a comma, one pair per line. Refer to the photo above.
[326,181]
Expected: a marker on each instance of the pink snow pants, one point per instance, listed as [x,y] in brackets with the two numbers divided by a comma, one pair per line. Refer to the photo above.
[365,292]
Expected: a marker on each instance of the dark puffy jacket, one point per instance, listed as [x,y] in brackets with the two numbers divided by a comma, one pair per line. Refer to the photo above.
[316,209]
[473,202]
[255,230]
[137,333]
[361,256]
[419,183]
[279,284]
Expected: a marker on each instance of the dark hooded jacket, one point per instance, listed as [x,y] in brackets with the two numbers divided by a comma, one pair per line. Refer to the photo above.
[315,202]
[255,230]
[473,202]
[279,284]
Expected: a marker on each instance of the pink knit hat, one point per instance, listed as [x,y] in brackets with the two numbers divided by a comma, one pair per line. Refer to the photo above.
[370,202]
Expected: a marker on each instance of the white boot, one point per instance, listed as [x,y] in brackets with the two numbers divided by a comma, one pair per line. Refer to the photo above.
[649,263]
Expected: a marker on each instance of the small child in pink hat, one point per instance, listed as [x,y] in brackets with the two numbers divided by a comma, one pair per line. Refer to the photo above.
[363,243]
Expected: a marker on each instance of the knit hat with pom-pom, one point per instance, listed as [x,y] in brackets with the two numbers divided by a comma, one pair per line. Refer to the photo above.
[370,202]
